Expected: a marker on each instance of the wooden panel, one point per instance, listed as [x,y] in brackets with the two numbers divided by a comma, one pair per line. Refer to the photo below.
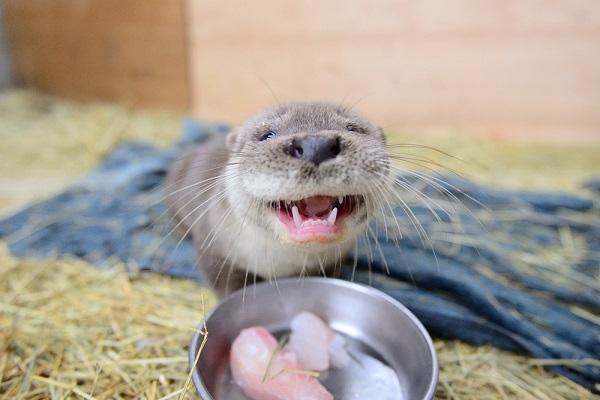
[5,67]
[132,51]
[519,68]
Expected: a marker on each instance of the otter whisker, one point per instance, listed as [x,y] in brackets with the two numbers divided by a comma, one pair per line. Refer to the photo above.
[422,146]
[229,253]
[321,267]
[433,181]
[369,256]
[439,183]
[412,217]
[218,196]
[338,268]
[425,238]
[203,189]
[354,259]
[215,231]
[422,197]
[383,259]
[303,270]
[174,182]
[202,186]
[423,163]
[173,229]
[375,193]
[381,190]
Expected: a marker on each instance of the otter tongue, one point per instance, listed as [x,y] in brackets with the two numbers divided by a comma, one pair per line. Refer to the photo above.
[317,205]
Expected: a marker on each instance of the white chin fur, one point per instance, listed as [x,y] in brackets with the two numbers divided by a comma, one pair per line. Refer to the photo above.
[271,242]
[270,188]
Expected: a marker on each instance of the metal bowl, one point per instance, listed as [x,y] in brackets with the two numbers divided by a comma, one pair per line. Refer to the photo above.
[374,324]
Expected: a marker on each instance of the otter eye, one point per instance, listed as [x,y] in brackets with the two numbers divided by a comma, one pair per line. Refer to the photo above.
[354,128]
[268,135]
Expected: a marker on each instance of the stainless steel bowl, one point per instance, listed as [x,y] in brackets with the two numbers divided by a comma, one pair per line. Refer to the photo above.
[373,323]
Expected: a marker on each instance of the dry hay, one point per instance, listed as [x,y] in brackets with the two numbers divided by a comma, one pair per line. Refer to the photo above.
[514,165]
[70,330]
[47,143]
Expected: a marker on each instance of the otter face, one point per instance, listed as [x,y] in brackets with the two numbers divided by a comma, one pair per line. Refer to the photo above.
[307,173]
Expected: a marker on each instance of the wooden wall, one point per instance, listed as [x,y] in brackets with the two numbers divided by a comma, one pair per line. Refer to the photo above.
[518,68]
[131,51]
[5,63]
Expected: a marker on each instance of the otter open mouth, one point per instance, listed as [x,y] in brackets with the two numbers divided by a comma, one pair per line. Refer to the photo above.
[315,218]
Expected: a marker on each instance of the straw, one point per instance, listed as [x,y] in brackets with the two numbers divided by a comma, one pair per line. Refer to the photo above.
[46,143]
[71,330]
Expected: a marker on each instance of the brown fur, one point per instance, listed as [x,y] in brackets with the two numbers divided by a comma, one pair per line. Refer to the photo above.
[249,173]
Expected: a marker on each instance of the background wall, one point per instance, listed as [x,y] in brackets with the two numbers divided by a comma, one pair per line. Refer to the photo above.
[5,67]
[518,68]
[515,68]
[132,51]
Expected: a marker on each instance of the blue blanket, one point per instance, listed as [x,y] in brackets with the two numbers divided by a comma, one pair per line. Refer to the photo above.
[476,276]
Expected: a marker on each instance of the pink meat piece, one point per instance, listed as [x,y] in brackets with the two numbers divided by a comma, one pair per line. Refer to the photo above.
[316,345]
[249,359]
[338,355]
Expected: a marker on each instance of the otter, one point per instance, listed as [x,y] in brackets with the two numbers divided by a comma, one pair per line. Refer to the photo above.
[287,193]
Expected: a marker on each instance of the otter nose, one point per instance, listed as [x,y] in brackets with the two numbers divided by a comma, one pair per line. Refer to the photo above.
[315,149]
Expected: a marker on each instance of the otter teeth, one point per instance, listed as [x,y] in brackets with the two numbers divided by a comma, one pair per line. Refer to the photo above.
[330,221]
[341,199]
[296,216]
[332,216]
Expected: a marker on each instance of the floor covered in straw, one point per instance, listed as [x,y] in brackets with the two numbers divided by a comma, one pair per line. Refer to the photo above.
[70,330]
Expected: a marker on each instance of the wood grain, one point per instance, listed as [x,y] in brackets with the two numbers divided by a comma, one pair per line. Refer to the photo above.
[131,51]
[519,68]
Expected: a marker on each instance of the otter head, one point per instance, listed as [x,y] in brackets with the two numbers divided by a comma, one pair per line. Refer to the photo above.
[309,174]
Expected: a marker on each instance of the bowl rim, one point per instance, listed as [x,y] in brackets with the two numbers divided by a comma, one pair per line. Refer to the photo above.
[363,288]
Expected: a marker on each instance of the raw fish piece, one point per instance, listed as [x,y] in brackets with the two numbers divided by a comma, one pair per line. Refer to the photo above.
[316,344]
[309,340]
[338,356]
[250,355]
[367,378]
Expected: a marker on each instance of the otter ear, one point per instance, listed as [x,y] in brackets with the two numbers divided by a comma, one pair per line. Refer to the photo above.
[231,139]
